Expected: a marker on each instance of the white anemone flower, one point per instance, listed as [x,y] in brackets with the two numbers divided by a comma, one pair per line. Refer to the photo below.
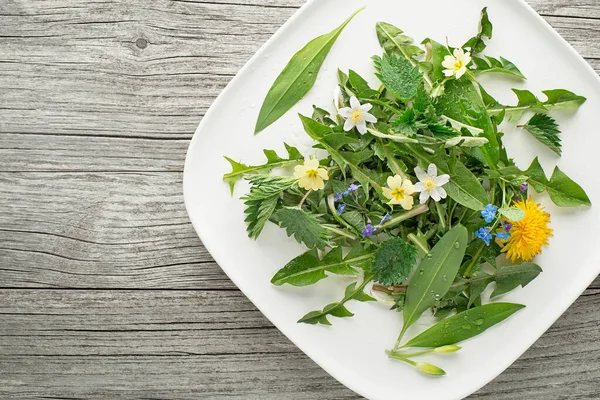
[430,184]
[456,64]
[357,115]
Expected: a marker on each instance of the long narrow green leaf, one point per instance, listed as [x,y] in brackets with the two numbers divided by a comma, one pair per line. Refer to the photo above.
[298,77]
[434,275]
[464,325]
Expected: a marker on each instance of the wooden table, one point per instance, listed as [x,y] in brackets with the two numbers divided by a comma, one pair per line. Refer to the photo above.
[105,289]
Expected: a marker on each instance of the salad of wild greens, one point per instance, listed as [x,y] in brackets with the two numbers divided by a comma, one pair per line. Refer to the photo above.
[417,198]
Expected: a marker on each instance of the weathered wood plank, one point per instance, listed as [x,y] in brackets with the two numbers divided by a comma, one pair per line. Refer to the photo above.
[214,344]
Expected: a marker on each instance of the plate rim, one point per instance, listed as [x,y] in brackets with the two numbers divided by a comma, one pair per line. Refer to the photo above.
[525,345]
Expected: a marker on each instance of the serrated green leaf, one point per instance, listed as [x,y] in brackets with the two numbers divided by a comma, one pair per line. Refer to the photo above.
[353,292]
[491,64]
[563,191]
[393,41]
[305,227]
[393,261]
[308,269]
[477,43]
[464,325]
[399,76]
[267,186]
[556,99]
[258,212]
[298,77]
[434,275]
[273,161]
[545,129]
[510,277]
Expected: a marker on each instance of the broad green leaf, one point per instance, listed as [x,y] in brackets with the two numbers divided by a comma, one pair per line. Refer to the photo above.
[463,102]
[563,191]
[481,280]
[298,77]
[393,262]
[491,64]
[393,41]
[434,276]
[273,161]
[308,269]
[545,129]
[476,43]
[510,277]
[305,227]
[464,188]
[512,213]
[436,52]
[338,309]
[556,99]
[464,325]
[399,76]
[363,90]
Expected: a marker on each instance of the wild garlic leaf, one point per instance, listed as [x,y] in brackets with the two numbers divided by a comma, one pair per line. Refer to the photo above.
[273,161]
[491,64]
[434,276]
[308,269]
[399,76]
[511,276]
[305,227]
[464,325]
[477,43]
[338,309]
[298,77]
[545,129]
[393,262]
[563,191]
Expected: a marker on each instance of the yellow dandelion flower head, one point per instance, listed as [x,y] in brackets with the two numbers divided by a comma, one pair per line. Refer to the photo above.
[529,235]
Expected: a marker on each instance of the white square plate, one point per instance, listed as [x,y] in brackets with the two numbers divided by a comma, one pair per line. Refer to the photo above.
[353,349]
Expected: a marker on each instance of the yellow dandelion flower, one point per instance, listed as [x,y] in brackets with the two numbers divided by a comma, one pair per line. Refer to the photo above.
[529,235]
[310,175]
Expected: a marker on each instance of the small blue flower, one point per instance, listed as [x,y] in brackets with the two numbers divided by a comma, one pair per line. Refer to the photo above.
[341,209]
[489,213]
[353,188]
[338,196]
[484,234]
[524,187]
[502,235]
[368,231]
[385,219]
[507,226]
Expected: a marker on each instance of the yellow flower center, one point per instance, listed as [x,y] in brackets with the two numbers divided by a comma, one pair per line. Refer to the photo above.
[357,116]
[429,184]
[312,173]
[458,65]
[528,236]
[398,194]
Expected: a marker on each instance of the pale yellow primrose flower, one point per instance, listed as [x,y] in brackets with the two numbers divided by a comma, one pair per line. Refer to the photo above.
[399,191]
[357,115]
[310,175]
[457,63]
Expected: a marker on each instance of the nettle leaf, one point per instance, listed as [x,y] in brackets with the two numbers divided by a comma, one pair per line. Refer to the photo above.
[563,191]
[263,199]
[338,309]
[308,269]
[477,43]
[510,277]
[298,77]
[273,161]
[393,41]
[434,275]
[491,64]
[399,76]
[545,129]
[464,325]
[394,261]
[556,99]
[305,227]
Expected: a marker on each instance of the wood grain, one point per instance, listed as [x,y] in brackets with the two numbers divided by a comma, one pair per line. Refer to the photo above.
[105,289]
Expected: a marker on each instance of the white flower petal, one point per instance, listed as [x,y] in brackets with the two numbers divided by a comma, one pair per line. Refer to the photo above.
[435,195]
[459,53]
[348,125]
[461,72]
[432,170]
[370,118]
[407,202]
[424,196]
[442,192]
[345,112]
[449,62]
[421,175]
[448,72]
[311,163]
[338,99]
[419,187]
[299,171]
[394,181]
[354,103]
[366,107]
[362,126]
[442,179]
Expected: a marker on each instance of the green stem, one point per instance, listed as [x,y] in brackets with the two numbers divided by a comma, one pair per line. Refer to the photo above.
[419,242]
[383,104]
[392,161]
[398,356]
[415,354]
[442,218]
[331,206]
[407,215]
[304,198]
[475,259]
[340,232]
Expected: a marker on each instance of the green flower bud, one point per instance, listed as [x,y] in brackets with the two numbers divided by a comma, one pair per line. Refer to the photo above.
[448,349]
[430,369]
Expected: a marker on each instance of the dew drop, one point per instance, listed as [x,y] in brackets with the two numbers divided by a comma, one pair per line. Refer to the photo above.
[444,278]
[456,245]
[436,344]
[429,256]
[466,327]
[421,272]
[479,321]
[447,325]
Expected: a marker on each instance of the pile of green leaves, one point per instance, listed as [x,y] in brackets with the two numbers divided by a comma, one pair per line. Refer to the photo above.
[427,258]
